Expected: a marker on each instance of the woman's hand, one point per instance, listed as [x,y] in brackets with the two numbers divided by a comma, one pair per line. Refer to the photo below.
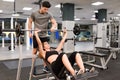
[37,30]
[81,71]
[64,31]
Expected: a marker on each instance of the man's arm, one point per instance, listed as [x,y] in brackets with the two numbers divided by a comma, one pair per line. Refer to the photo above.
[30,26]
[62,41]
[54,24]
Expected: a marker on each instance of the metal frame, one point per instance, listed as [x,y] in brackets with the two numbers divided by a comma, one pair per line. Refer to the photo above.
[48,75]
[103,61]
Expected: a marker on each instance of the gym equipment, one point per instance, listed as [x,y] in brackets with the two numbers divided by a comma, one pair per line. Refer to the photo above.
[76,30]
[87,75]
[33,74]
[111,52]
[113,33]
[18,31]
[101,56]
[32,68]
[9,47]
[64,74]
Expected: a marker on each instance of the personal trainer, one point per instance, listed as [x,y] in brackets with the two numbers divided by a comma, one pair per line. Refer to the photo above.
[41,19]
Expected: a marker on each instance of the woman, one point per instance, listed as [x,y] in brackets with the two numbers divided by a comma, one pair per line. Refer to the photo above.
[57,60]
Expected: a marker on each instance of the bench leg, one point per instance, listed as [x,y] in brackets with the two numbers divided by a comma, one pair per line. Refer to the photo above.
[103,63]
[91,58]
[32,68]
[109,57]
[114,55]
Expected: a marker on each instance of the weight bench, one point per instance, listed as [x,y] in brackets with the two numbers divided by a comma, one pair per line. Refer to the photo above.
[111,50]
[60,76]
[41,74]
[101,56]
[64,74]
[38,75]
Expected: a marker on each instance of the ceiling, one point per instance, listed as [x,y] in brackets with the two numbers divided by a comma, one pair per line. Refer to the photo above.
[112,6]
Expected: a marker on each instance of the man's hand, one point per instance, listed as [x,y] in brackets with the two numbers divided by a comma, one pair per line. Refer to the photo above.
[52,29]
[30,35]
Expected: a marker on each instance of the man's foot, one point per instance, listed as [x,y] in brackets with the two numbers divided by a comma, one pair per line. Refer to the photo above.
[45,69]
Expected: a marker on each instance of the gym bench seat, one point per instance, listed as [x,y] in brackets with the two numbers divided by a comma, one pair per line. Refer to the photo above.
[101,56]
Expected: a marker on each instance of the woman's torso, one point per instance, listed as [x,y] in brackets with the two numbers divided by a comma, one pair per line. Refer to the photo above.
[51,56]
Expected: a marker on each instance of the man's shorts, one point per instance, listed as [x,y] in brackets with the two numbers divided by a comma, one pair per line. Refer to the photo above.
[43,39]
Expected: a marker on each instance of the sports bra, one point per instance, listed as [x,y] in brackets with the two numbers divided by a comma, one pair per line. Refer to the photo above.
[49,53]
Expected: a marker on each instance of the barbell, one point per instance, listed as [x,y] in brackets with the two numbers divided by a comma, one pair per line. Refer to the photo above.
[18,31]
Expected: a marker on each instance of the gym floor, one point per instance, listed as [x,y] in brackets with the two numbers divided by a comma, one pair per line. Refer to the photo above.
[9,63]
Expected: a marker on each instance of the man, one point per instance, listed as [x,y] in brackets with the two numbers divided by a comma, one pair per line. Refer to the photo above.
[41,19]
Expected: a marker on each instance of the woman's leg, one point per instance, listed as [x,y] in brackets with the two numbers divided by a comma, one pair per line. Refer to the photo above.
[62,61]
[67,64]
[76,57]
[79,62]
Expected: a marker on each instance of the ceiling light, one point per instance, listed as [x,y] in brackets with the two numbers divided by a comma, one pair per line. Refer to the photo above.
[58,6]
[1,11]
[77,19]
[9,0]
[118,14]
[27,8]
[15,15]
[97,3]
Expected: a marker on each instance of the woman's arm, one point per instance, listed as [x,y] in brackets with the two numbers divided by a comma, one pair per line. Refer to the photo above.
[39,44]
[62,41]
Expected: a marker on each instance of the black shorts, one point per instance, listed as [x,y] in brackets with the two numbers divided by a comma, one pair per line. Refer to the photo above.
[58,64]
[43,39]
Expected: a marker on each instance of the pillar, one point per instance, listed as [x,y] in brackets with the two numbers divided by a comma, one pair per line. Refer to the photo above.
[12,33]
[101,16]
[3,42]
[27,36]
[68,23]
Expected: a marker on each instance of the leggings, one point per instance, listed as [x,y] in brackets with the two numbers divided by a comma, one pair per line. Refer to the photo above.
[58,64]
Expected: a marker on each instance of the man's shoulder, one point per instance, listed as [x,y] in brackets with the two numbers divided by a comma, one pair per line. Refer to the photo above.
[35,12]
[49,13]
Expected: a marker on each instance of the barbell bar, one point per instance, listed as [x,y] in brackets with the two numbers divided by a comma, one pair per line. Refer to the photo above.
[76,30]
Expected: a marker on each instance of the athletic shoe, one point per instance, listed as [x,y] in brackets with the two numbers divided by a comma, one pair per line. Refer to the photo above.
[45,69]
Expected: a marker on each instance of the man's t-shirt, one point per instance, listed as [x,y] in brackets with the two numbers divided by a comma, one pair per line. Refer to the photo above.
[41,21]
